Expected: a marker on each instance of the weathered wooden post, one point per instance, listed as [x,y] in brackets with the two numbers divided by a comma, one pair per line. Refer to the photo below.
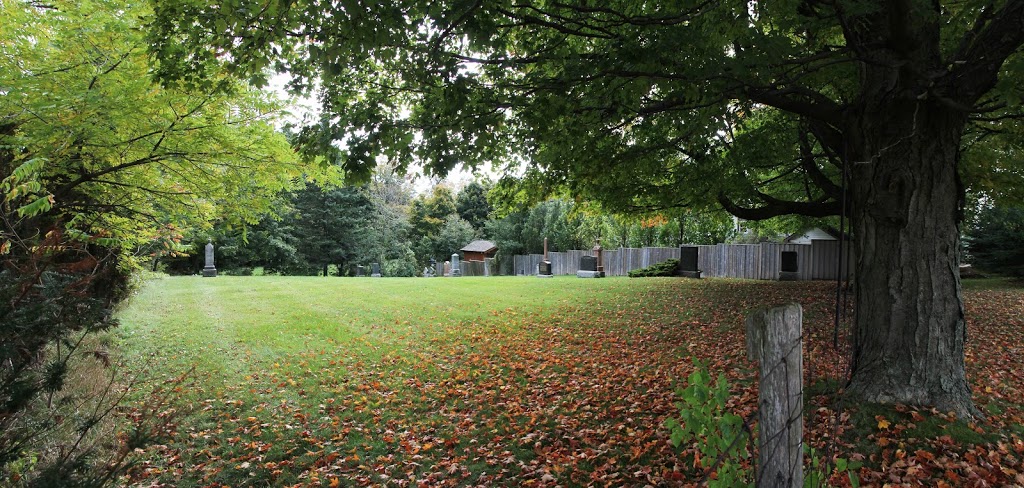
[773,339]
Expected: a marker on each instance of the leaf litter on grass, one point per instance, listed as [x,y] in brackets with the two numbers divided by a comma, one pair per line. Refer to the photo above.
[575,398]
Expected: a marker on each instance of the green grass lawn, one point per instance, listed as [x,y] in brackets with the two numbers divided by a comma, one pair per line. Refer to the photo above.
[492,381]
[236,325]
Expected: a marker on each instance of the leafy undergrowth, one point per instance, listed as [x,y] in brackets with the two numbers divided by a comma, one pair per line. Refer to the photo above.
[574,395]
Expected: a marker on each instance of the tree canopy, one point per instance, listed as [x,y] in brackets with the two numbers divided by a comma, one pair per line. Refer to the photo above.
[91,141]
[885,112]
[100,166]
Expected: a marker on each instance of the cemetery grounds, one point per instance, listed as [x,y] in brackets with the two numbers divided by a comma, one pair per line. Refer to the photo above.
[516,381]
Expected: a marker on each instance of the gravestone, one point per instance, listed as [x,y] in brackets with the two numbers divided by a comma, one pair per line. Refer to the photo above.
[447,269]
[360,271]
[789,269]
[456,271]
[375,270]
[544,268]
[599,255]
[588,263]
[588,267]
[688,262]
[209,271]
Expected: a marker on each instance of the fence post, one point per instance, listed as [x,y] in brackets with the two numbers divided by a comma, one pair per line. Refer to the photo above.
[773,339]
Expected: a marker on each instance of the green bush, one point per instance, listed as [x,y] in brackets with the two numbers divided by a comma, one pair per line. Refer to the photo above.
[718,435]
[722,439]
[664,268]
[402,267]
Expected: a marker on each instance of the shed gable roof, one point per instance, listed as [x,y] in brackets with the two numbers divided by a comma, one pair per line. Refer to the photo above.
[480,245]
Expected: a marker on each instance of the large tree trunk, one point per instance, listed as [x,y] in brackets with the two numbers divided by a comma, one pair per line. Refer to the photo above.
[907,197]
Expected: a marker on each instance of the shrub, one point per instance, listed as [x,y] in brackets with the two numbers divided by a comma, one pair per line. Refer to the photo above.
[664,268]
[53,300]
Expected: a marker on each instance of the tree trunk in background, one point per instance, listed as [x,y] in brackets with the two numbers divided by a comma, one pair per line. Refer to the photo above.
[907,198]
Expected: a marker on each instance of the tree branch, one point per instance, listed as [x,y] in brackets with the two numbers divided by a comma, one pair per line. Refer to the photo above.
[807,162]
[977,63]
[799,101]
[774,207]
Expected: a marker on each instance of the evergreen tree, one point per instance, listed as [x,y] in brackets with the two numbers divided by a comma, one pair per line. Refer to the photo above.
[330,226]
[995,241]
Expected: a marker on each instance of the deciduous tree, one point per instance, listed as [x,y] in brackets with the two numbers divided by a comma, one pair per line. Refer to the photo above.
[804,107]
[100,166]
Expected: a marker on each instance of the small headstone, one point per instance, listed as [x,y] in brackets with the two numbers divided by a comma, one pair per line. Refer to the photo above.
[456,271]
[688,262]
[209,271]
[588,267]
[599,256]
[789,270]
[360,271]
[375,270]
[544,269]
[588,263]
[447,268]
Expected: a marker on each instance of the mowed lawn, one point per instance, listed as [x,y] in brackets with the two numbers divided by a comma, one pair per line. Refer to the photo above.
[512,381]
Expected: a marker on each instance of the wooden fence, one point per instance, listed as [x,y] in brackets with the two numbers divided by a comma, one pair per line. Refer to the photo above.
[816,261]
[490,267]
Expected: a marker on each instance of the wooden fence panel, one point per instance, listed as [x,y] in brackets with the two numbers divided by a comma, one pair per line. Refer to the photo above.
[526,265]
[826,260]
[613,262]
[472,268]
[747,261]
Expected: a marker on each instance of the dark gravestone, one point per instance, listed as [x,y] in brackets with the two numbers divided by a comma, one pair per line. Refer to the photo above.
[359,270]
[375,270]
[544,268]
[789,269]
[688,262]
[588,267]
[588,263]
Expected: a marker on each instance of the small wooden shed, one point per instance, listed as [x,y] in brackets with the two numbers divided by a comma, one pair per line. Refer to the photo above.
[479,250]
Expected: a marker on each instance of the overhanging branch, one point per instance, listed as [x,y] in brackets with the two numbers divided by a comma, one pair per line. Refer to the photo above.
[985,48]
[774,208]
[806,103]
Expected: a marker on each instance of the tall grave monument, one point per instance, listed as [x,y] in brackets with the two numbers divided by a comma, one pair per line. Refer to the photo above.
[544,268]
[456,271]
[209,271]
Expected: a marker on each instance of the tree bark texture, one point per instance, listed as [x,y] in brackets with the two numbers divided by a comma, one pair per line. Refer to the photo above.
[907,198]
